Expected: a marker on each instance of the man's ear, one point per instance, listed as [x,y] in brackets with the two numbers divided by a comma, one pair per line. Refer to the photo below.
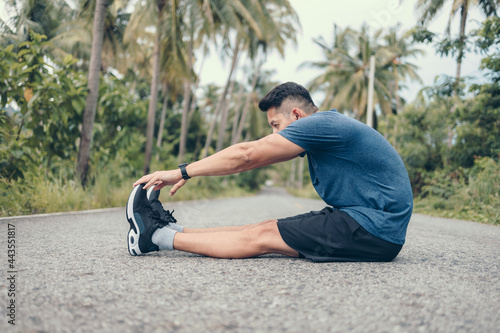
[297,113]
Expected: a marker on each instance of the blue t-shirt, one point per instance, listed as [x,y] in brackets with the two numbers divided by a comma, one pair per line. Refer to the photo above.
[356,170]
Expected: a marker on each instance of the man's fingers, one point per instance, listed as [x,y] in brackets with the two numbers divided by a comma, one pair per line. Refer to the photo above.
[177,186]
[159,186]
[143,179]
[159,180]
[153,181]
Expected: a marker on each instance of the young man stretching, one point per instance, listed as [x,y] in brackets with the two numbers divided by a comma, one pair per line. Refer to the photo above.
[353,168]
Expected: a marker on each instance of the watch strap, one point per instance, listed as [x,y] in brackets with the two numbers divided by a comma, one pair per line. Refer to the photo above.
[183,171]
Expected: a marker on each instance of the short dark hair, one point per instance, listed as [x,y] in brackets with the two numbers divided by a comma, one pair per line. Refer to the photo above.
[291,90]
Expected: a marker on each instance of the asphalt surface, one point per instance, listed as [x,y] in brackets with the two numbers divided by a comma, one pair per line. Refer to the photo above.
[74,274]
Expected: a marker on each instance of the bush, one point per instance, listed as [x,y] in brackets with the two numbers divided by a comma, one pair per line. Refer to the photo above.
[471,194]
[481,198]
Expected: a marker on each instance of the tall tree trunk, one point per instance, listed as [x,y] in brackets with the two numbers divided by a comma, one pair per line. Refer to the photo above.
[237,108]
[463,21]
[223,121]
[222,98]
[93,94]
[153,99]
[185,106]
[162,119]
[210,134]
[236,139]
[185,103]
[195,89]
[398,106]
[228,90]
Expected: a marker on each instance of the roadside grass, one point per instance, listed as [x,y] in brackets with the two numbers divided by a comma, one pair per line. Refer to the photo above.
[458,208]
[38,195]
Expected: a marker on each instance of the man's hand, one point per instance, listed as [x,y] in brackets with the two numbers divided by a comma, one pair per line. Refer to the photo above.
[160,179]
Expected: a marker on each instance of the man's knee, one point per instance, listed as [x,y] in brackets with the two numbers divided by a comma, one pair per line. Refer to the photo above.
[265,222]
[266,237]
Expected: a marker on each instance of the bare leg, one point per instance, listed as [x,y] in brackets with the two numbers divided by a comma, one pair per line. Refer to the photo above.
[245,243]
[232,228]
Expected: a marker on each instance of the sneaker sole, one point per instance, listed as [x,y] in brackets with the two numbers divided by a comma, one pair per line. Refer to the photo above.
[150,190]
[133,234]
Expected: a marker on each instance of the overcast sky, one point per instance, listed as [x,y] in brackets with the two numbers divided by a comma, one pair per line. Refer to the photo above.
[317,18]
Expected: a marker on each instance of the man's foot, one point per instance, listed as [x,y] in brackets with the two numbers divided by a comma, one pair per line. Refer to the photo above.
[164,215]
[144,221]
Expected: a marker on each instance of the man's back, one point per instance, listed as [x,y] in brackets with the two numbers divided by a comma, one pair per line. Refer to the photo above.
[354,169]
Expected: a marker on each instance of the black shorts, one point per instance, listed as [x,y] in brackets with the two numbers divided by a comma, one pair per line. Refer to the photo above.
[332,235]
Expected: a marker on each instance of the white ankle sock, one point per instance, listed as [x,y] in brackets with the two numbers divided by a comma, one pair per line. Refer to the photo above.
[164,238]
[176,227]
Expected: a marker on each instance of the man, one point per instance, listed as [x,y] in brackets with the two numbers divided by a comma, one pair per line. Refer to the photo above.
[353,168]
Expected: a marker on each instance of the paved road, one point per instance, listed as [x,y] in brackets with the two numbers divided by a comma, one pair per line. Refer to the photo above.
[74,274]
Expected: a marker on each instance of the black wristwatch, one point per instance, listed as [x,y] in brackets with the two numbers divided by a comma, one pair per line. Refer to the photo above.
[183,171]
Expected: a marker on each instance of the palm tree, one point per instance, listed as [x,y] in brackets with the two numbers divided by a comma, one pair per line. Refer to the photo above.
[222,98]
[277,24]
[427,10]
[250,95]
[398,49]
[45,17]
[93,91]
[41,16]
[208,103]
[162,14]
[328,67]
[198,28]
[169,26]
[345,70]
[75,35]
[223,104]
[159,8]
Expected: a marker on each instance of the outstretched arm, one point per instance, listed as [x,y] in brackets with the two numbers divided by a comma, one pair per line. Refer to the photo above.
[237,158]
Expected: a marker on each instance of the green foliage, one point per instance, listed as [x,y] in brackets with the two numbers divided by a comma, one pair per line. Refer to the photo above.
[487,41]
[422,139]
[48,101]
[420,34]
[118,129]
[478,132]
[455,47]
[472,194]
[450,180]
[446,46]
[457,176]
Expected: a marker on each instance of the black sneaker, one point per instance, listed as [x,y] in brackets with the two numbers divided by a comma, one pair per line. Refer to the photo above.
[144,221]
[164,215]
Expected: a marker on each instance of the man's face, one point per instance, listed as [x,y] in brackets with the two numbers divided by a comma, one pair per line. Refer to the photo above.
[279,120]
